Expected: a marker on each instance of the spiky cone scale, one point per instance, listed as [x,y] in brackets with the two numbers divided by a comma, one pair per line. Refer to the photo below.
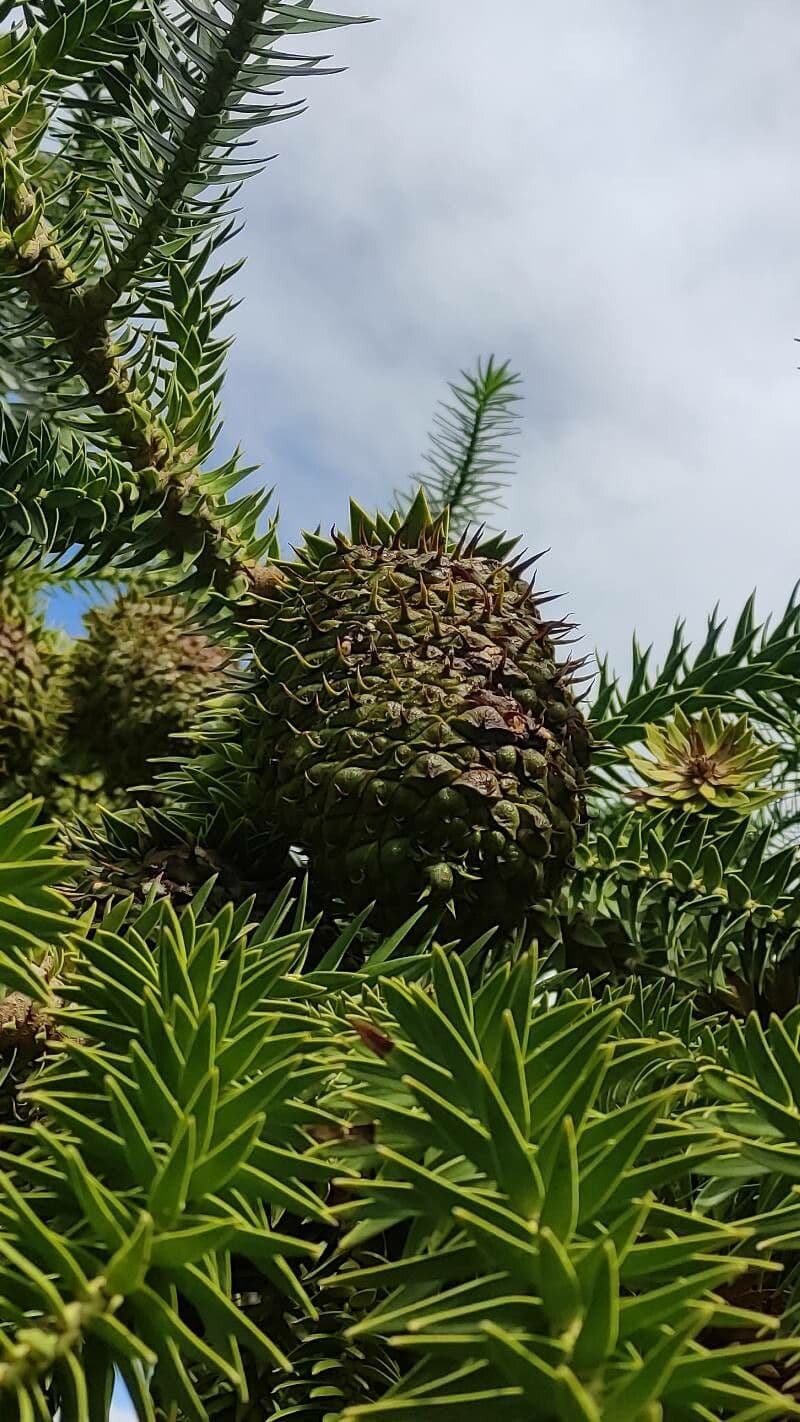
[31,680]
[412,729]
[135,683]
[703,764]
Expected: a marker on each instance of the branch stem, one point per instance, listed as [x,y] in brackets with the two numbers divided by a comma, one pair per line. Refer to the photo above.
[29,247]
[179,173]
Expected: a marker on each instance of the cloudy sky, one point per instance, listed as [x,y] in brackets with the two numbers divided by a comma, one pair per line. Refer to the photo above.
[606,193]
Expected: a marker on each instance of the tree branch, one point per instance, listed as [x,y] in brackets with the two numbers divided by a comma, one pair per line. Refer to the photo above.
[31,249]
[180,172]
[33,1351]
[29,246]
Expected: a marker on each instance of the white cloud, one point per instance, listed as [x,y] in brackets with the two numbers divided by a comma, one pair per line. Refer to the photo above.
[606,194]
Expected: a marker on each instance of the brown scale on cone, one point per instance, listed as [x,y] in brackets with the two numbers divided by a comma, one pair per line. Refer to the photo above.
[437,748]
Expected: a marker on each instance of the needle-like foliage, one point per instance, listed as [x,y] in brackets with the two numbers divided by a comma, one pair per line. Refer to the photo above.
[469,460]
[428,1045]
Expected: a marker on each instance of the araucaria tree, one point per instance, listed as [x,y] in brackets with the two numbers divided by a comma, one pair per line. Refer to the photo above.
[423,1040]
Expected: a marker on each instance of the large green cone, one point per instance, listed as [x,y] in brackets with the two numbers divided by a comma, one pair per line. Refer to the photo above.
[412,729]
[135,683]
[31,675]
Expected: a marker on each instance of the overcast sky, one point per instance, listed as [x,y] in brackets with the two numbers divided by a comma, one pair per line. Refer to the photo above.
[606,193]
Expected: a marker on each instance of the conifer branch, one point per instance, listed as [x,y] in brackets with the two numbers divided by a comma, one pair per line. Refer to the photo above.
[468,460]
[155,390]
[30,248]
[179,173]
[35,1351]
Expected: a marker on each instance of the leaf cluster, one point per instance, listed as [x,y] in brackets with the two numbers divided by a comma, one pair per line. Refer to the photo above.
[260,1184]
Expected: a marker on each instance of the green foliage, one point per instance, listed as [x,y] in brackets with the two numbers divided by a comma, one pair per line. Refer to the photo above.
[758,673]
[268,1149]
[717,910]
[541,1271]
[55,494]
[546,1193]
[534,1203]
[468,461]
[173,1137]
[705,764]
[174,1035]
[134,683]
[31,686]
[111,250]
[34,918]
